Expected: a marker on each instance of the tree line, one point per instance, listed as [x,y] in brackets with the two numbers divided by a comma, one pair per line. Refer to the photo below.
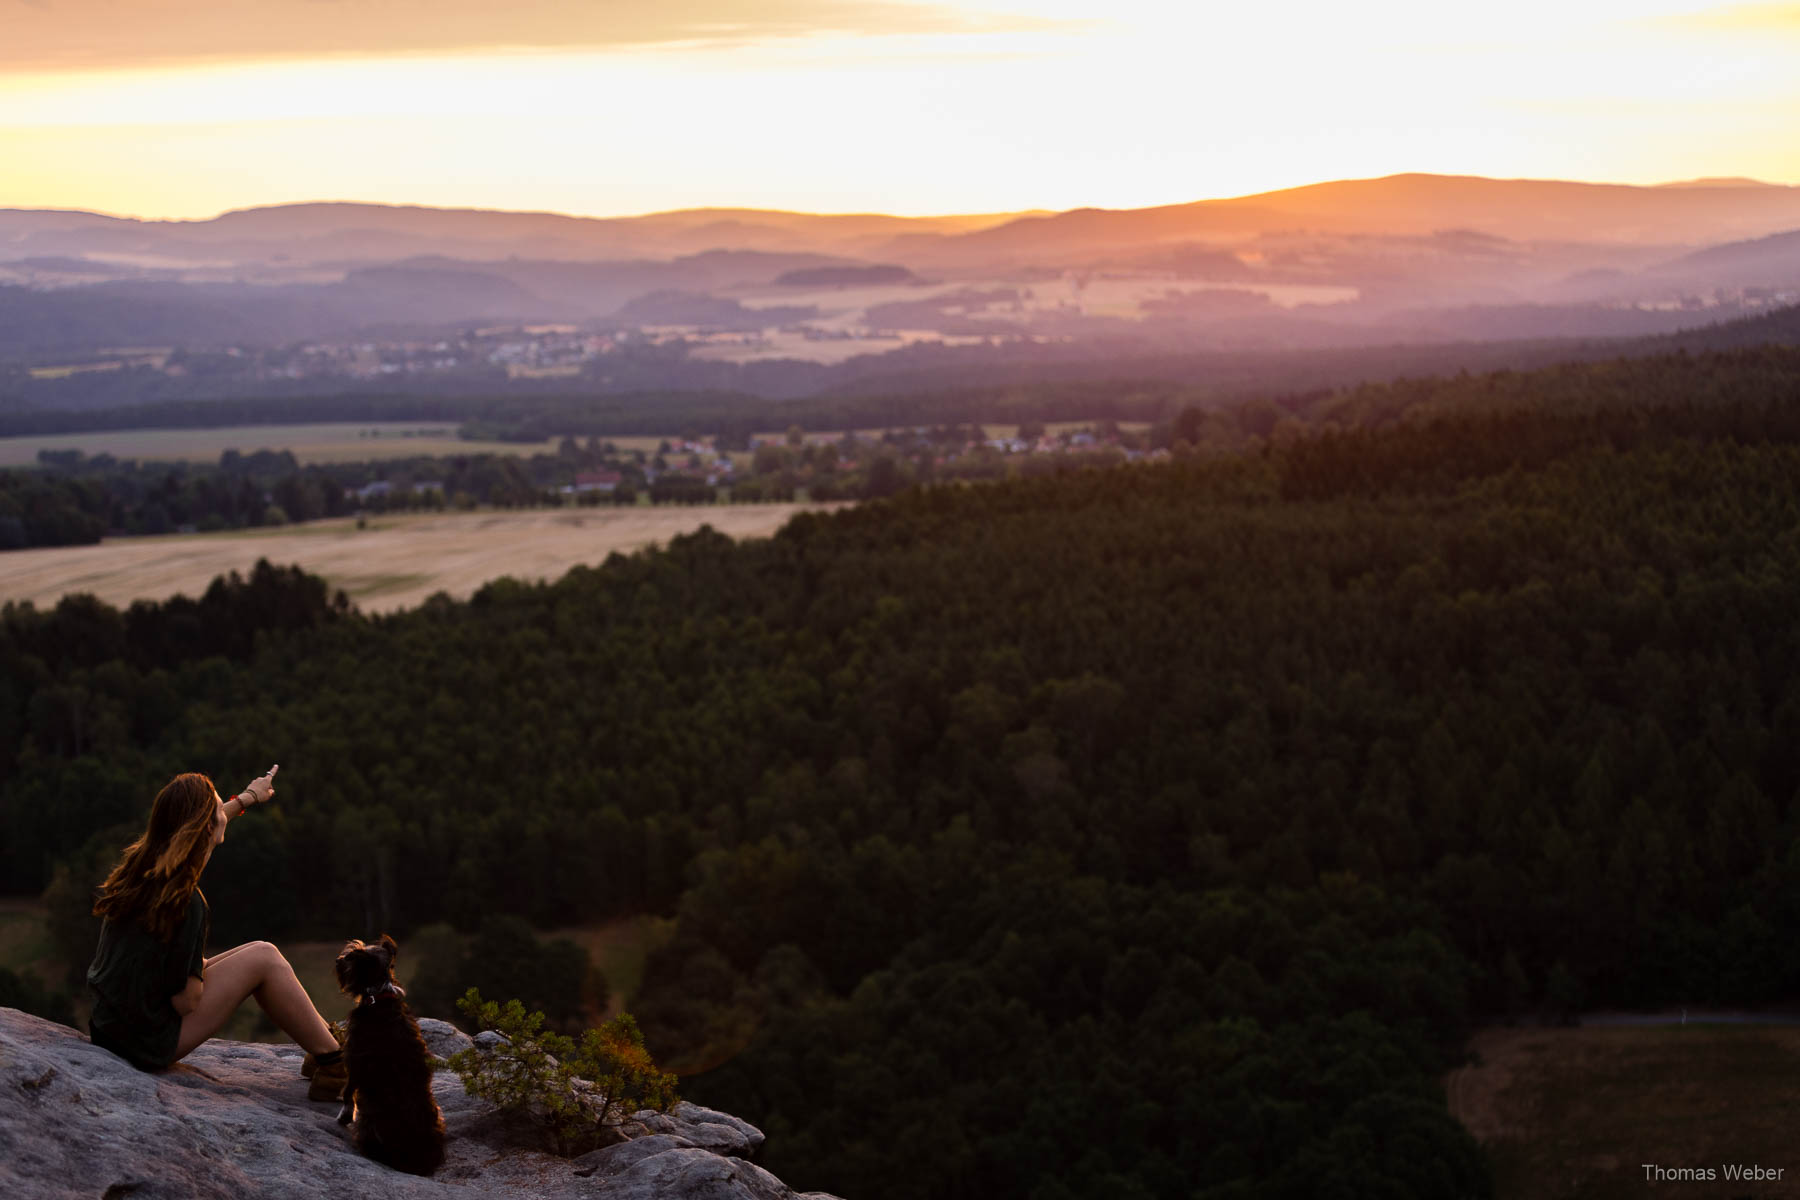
[71,498]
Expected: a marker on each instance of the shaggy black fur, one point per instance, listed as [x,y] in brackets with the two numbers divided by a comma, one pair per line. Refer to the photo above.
[389,1093]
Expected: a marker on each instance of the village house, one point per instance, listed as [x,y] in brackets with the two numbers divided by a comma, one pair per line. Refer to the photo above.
[594,481]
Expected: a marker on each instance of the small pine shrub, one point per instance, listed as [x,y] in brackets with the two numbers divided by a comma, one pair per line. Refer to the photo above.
[575,1090]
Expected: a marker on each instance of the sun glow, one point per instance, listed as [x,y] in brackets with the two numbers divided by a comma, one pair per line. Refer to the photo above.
[1149,104]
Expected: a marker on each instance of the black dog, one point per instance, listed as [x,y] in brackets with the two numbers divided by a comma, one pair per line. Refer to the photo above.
[389,1093]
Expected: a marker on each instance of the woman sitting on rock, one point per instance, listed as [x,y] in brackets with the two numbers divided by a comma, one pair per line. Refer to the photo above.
[156,995]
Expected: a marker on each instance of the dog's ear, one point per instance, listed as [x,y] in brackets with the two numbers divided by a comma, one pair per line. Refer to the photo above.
[346,964]
[393,948]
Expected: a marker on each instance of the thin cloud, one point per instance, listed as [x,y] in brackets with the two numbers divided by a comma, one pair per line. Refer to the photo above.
[51,35]
[1741,18]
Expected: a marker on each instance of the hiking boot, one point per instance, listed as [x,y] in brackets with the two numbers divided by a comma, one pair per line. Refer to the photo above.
[309,1064]
[328,1081]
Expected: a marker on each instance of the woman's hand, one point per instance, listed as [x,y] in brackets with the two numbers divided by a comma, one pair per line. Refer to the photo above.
[262,788]
[188,999]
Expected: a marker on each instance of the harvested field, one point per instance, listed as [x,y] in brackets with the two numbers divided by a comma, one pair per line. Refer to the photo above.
[321,443]
[1581,1112]
[394,563]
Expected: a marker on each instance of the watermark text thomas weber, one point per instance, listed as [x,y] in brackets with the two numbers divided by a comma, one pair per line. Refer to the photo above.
[1739,1172]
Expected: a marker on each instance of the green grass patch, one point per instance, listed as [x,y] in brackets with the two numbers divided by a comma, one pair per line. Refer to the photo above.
[25,940]
[325,442]
[619,948]
[312,963]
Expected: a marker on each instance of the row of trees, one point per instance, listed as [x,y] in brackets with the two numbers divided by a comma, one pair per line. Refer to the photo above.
[74,499]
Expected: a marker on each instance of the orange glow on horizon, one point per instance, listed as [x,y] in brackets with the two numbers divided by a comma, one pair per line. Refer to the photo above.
[975,107]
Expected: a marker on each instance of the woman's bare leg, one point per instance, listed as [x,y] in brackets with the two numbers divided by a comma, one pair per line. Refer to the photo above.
[223,954]
[258,970]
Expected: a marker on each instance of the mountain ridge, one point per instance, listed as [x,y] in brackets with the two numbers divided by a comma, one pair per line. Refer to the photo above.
[1406,189]
[1403,257]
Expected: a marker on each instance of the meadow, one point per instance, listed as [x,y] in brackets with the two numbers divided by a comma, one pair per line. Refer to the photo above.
[346,441]
[25,944]
[321,443]
[1578,1112]
[382,563]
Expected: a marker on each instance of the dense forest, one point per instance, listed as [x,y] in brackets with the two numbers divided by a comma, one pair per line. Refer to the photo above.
[1158,831]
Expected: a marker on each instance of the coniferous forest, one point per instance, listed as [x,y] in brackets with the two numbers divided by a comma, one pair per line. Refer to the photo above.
[1149,832]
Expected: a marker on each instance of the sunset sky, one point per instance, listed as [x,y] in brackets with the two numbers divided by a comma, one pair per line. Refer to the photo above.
[185,108]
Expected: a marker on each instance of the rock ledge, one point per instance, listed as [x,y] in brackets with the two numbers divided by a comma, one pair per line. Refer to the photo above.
[232,1121]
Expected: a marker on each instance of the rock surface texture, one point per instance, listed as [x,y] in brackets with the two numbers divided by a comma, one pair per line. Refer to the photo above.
[232,1121]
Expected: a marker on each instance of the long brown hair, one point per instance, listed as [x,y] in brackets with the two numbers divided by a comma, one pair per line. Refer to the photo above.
[159,873]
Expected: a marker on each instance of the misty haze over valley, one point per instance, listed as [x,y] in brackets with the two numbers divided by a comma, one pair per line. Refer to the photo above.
[325,296]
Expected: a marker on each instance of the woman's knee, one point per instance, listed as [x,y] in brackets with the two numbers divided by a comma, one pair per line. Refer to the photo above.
[267,957]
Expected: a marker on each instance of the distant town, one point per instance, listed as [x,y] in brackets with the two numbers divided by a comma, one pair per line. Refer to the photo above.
[570,351]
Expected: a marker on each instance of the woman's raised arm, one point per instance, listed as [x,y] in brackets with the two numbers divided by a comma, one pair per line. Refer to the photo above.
[260,790]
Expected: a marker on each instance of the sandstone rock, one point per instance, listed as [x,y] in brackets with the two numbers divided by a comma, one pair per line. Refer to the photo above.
[689,1171]
[443,1038]
[662,1164]
[706,1128]
[232,1121]
[615,1159]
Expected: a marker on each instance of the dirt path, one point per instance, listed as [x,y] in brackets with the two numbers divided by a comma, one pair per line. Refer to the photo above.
[394,563]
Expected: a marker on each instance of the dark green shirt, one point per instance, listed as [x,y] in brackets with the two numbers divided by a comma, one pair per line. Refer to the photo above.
[134,977]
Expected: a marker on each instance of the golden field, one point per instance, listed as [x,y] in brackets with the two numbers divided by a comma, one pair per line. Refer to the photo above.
[325,442]
[394,562]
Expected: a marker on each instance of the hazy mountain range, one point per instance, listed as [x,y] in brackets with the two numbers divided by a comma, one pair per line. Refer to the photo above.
[1404,258]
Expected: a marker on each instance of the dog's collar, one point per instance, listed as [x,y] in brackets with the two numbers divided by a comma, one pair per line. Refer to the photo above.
[368,995]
